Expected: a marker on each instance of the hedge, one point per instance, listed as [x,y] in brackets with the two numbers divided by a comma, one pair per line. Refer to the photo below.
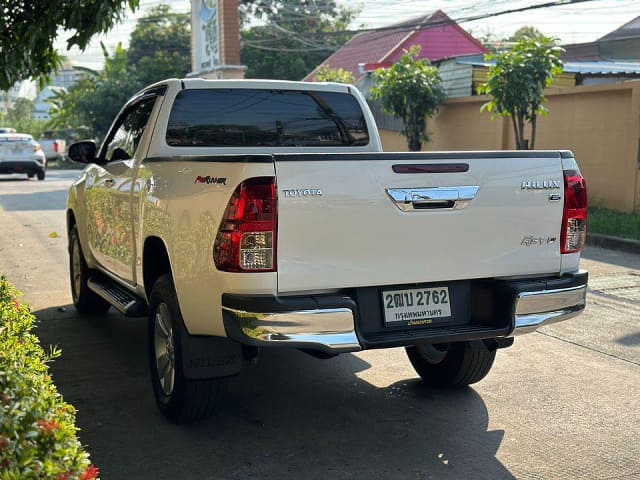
[37,427]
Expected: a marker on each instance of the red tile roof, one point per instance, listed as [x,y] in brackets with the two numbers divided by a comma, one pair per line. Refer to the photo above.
[438,36]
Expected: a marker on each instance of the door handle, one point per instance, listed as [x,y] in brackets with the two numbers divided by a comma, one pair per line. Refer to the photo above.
[109,183]
[433,198]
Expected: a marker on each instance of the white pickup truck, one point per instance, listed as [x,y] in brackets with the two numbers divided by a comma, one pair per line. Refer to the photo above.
[241,215]
[54,148]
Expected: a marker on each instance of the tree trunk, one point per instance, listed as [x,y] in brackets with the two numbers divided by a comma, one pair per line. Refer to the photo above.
[523,143]
[534,122]
[413,132]
[515,131]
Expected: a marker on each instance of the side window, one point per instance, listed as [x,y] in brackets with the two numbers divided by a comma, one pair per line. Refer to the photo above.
[123,143]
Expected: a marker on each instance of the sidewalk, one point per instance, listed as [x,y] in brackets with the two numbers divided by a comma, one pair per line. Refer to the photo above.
[613,243]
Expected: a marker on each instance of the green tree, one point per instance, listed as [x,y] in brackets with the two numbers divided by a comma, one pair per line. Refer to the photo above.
[517,82]
[91,104]
[20,117]
[28,29]
[326,74]
[526,32]
[160,45]
[294,36]
[410,90]
[160,48]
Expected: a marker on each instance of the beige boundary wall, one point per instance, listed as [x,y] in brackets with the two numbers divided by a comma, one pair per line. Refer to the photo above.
[600,124]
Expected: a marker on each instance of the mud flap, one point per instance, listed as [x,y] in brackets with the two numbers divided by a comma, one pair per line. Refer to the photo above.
[209,357]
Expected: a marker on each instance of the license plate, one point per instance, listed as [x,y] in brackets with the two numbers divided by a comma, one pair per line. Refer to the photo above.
[416,306]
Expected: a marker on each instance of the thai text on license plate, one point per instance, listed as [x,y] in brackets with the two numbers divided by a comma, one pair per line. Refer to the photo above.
[417,306]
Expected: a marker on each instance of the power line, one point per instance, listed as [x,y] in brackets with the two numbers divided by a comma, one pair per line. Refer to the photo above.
[316,39]
[409,26]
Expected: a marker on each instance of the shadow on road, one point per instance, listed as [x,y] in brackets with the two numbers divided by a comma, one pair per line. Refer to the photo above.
[290,416]
[629,340]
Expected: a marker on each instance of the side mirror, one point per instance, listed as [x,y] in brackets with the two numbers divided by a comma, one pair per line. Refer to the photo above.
[83,152]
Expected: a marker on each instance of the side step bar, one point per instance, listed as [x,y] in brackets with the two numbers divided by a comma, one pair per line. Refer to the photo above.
[120,298]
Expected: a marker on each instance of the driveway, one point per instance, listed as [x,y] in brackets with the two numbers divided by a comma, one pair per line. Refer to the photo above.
[561,403]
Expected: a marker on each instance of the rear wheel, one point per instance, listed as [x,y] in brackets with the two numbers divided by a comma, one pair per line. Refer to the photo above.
[179,399]
[41,174]
[451,364]
[84,299]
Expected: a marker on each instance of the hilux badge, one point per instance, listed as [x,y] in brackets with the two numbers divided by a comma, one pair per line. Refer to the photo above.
[544,185]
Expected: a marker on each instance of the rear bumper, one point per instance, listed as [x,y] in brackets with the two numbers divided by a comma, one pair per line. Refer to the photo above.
[21,166]
[320,323]
[536,309]
[334,323]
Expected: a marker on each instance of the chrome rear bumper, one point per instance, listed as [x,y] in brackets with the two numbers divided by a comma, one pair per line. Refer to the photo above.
[310,323]
[339,323]
[535,309]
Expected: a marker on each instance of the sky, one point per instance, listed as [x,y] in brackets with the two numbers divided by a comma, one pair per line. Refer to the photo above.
[577,23]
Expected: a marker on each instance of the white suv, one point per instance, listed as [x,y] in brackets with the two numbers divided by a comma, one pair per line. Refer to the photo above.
[20,153]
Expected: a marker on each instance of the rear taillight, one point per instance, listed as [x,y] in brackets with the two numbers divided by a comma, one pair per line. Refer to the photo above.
[574,218]
[246,240]
[56,146]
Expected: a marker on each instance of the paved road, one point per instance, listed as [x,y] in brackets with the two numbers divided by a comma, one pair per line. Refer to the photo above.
[561,403]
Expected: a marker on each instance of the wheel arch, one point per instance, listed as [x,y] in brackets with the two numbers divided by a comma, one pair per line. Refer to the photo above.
[71,220]
[155,262]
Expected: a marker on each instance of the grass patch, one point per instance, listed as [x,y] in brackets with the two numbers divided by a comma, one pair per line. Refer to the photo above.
[617,224]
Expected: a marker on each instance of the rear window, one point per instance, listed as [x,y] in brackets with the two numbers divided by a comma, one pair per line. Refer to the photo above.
[4,139]
[255,118]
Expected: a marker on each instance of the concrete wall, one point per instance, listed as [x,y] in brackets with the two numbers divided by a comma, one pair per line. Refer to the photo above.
[600,124]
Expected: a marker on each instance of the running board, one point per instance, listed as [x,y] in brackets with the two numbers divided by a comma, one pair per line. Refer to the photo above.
[121,299]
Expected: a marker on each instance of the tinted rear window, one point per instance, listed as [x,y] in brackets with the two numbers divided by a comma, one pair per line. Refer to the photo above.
[255,118]
[15,139]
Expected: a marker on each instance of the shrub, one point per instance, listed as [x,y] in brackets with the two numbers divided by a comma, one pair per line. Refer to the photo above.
[37,428]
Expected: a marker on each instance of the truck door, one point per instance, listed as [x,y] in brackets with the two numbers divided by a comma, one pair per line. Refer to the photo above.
[114,188]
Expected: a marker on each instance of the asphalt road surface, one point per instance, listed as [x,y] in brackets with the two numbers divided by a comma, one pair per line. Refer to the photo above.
[561,403]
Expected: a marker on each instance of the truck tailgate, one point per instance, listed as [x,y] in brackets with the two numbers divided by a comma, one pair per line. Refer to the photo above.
[354,220]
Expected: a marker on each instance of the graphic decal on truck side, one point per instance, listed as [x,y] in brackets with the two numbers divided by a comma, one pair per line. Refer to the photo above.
[209,180]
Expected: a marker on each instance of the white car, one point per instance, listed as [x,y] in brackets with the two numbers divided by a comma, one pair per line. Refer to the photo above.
[20,153]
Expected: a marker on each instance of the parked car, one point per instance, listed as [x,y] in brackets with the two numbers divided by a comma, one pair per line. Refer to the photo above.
[54,148]
[20,153]
[7,130]
[243,214]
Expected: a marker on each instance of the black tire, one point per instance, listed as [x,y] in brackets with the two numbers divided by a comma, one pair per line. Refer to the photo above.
[453,364]
[41,174]
[31,174]
[85,300]
[179,399]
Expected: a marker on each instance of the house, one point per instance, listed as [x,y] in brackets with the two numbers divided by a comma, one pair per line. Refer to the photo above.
[462,76]
[438,36]
[67,75]
[24,89]
[42,107]
[622,44]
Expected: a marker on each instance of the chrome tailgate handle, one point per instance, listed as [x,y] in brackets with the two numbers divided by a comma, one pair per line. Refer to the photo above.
[432,198]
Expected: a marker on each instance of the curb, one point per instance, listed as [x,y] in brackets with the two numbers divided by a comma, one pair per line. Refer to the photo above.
[613,243]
